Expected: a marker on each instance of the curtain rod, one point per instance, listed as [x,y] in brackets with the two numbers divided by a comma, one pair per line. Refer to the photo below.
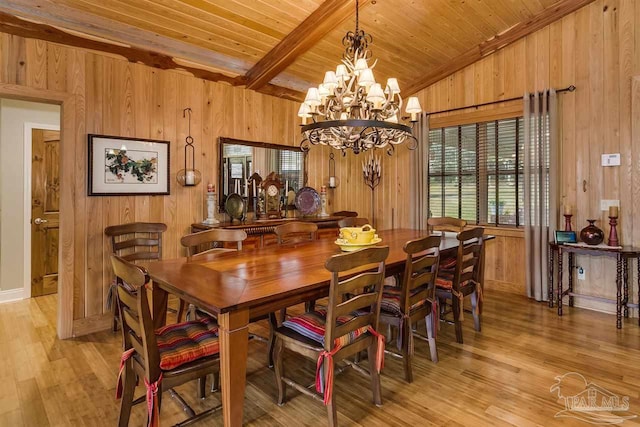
[570,88]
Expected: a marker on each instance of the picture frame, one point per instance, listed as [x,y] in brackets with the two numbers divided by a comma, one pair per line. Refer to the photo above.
[566,237]
[122,166]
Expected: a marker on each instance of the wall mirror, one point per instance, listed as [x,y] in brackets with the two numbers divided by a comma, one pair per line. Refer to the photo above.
[240,159]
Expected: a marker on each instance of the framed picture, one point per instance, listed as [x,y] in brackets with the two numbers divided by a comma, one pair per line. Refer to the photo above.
[566,237]
[127,166]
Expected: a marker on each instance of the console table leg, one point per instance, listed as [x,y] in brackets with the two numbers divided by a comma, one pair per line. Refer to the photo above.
[625,281]
[638,278]
[570,256]
[619,292]
[559,282]
[550,279]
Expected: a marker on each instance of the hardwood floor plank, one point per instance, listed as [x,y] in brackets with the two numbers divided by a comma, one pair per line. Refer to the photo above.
[499,377]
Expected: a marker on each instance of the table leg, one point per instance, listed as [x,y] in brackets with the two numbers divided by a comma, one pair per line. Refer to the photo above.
[159,301]
[619,292]
[234,347]
[550,280]
[625,282]
[559,282]
[570,272]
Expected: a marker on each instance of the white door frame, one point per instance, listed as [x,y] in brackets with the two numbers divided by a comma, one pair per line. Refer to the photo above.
[28,132]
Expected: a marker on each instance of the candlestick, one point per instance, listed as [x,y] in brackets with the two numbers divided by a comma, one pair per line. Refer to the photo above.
[567,221]
[613,232]
[211,205]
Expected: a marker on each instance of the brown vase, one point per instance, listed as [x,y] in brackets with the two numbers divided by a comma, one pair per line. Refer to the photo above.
[591,234]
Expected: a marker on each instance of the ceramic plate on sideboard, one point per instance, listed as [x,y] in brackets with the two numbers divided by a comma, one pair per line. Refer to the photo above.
[307,201]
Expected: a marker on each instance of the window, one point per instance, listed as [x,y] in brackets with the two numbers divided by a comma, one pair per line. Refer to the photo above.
[476,172]
[290,167]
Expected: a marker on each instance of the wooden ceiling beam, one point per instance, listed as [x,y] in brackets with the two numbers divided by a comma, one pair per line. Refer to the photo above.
[321,22]
[518,31]
[12,25]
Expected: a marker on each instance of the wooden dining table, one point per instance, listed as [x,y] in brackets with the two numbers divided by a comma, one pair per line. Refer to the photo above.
[245,285]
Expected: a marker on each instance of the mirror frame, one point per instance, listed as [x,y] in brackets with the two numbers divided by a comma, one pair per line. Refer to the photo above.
[224,140]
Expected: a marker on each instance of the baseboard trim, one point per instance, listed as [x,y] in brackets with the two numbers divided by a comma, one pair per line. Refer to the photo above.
[11,295]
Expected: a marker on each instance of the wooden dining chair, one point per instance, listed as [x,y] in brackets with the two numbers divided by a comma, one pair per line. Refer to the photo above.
[347,326]
[446,224]
[137,242]
[416,299]
[163,358]
[214,240]
[352,221]
[465,279]
[293,232]
[346,213]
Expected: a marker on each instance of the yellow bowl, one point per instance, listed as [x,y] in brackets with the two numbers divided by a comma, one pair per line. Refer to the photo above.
[358,235]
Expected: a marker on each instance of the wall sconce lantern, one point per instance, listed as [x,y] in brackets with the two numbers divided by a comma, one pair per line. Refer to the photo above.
[333,180]
[189,176]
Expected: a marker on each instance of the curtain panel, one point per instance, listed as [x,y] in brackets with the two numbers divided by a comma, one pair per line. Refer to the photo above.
[541,182]
[419,208]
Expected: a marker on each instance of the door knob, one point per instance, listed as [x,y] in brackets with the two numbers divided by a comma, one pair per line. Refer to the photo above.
[39,221]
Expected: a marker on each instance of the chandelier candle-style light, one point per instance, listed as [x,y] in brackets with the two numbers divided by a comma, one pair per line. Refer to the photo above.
[349,110]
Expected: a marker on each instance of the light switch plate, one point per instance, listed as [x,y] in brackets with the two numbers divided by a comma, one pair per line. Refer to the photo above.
[604,204]
[611,159]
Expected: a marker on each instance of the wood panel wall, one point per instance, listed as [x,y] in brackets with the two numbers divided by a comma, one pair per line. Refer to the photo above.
[597,48]
[121,98]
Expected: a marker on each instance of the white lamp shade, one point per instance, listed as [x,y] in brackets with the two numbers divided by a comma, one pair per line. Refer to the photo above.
[304,110]
[375,93]
[361,65]
[313,97]
[341,72]
[330,80]
[392,86]
[413,105]
[366,77]
[323,90]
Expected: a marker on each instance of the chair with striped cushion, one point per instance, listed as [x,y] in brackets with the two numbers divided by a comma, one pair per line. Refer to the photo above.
[415,300]
[164,358]
[346,327]
[465,279]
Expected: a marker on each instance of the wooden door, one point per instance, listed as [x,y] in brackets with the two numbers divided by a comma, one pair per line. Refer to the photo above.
[45,206]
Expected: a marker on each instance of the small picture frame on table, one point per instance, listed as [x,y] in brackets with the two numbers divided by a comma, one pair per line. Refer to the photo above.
[121,166]
[563,237]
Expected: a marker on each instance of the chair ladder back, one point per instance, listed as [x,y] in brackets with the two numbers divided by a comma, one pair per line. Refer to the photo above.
[446,223]
[295,232]
[346,213]
[351,221]
[137,241]
[350,297]
[421,270]
[213,237]
[469,256]
[137,325]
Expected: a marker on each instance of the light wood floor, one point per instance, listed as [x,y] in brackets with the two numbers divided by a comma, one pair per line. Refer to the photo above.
[500,376]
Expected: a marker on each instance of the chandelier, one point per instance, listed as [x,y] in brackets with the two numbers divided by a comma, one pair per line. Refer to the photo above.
[349,110]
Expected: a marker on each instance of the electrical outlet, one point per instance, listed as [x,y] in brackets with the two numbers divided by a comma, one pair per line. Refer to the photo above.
[582,274]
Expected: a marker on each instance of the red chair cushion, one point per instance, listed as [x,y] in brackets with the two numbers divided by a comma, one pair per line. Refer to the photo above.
[312,325]
[188,341]
[448,263]
[391,300]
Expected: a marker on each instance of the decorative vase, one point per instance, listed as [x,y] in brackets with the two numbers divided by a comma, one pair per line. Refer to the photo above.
[591,234]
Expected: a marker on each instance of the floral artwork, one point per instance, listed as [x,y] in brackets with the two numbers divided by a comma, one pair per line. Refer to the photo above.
[131,166]
[120,166]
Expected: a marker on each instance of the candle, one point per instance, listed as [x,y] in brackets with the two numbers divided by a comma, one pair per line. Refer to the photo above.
[323,189]
[254,187]
[613,211]
[567,209]
[332,181]
[190,178]
[286,186]
[210,188]
[246,188]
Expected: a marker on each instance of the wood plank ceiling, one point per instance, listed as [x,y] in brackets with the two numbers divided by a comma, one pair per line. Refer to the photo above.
[286,43]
